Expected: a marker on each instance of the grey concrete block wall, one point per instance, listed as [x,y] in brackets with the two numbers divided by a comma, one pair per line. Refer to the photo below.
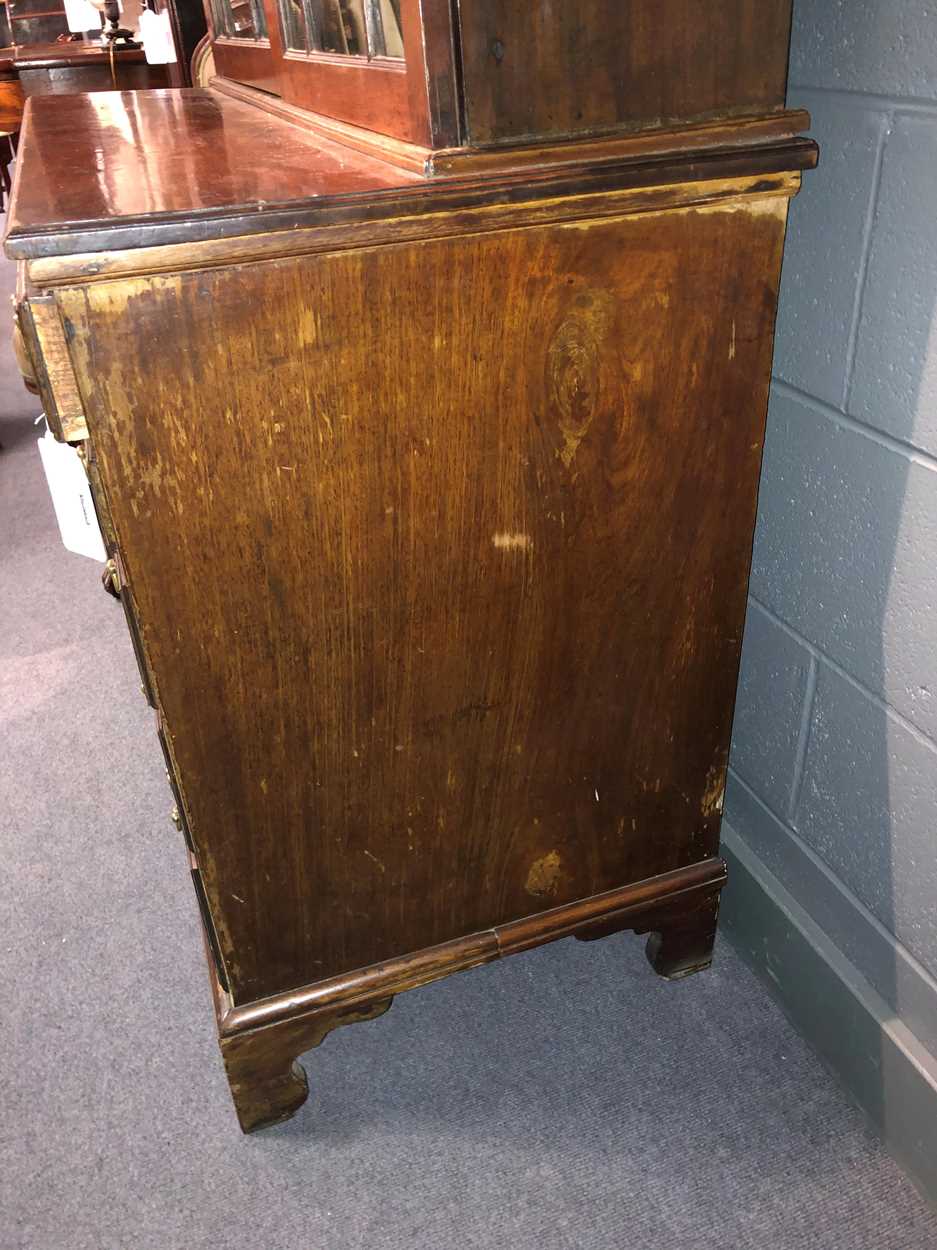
[866,807]
[776,674]
[894,377]
[845,552]
[823,259]
[873,47]
[833,774]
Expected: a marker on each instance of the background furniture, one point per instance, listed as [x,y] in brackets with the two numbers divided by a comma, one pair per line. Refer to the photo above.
[47,65]
[25,22]
[11,116]
[61,68]
[432,514]
[202,69]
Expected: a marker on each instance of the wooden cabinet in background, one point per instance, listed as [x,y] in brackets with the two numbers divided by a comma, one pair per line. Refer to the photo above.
[45,66]
[64,68]
[29,22]
[432,513]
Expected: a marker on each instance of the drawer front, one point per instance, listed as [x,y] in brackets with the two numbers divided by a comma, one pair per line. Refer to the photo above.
[43,339]
[179,813]
[114,576]
[181,821]
[115,584]
[146,685]
[98,498]
[209,927]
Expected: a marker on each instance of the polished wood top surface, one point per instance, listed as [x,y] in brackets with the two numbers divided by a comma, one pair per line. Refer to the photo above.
[118,171]
[104,156]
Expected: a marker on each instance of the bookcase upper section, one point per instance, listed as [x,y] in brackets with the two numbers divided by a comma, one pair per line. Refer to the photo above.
[485,73]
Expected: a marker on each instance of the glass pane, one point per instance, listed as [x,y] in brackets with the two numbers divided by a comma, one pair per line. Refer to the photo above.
[384,28]
[240,19]
[340,26]
[360,28]
[294,25]
[42,29]
[18,8]
[393,31]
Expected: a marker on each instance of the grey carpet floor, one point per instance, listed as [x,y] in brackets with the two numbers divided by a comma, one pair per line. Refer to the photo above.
[565,1098]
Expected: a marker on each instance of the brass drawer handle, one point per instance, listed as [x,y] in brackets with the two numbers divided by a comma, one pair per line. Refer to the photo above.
[110,579]
[23,362]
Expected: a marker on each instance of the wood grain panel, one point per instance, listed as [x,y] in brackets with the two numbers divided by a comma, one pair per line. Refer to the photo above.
[440,556]
[249,61]
[374,94]
[542,69]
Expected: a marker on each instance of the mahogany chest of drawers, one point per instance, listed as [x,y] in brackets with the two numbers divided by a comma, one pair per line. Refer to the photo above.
[424,416]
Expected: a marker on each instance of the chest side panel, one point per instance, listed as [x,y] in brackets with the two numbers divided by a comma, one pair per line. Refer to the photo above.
[440,554]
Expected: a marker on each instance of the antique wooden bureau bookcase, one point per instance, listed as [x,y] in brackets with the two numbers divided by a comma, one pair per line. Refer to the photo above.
[420,368]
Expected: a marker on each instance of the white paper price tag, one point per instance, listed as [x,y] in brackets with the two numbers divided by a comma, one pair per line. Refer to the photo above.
[156,35]
[71,498]
[81,15]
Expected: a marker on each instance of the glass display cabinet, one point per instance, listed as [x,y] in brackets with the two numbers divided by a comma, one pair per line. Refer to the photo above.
[432,515]
[34,21]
